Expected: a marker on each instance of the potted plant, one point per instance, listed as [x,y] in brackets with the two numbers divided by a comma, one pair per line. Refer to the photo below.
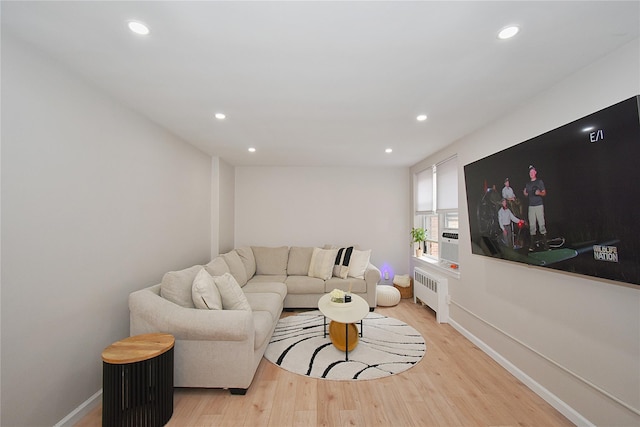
[418,235]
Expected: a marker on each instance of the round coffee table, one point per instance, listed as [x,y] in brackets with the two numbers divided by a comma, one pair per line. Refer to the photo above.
[342,329]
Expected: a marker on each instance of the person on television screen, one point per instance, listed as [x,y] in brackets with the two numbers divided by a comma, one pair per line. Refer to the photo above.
[507,191]
[512,201]
[505,217]
[535,191]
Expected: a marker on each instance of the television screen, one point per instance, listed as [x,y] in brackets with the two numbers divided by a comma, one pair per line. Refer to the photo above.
[568,199]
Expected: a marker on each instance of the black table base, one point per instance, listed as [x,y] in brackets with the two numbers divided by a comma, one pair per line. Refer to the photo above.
[138,394]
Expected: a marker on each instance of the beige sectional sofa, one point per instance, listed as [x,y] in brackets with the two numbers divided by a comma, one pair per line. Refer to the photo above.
[221,348]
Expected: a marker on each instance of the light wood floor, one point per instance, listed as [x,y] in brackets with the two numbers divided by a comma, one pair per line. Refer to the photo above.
[455,384]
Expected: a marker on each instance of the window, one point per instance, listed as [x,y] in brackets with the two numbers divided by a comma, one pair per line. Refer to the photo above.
[451,220]
[436,203]
[430,223]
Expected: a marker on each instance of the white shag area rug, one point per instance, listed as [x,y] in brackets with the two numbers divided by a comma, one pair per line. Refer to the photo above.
[388,346]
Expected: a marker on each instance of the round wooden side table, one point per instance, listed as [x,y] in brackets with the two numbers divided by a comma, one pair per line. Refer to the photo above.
[137,380]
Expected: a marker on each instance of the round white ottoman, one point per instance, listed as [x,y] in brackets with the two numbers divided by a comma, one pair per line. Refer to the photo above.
[387,296]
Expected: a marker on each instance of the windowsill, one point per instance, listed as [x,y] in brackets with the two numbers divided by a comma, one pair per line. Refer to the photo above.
[440,266]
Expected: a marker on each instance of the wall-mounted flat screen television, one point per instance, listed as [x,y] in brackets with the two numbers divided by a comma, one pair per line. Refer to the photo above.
[568,199]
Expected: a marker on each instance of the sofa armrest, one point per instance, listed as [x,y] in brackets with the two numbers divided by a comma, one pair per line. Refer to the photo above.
[149,312]
[372,275]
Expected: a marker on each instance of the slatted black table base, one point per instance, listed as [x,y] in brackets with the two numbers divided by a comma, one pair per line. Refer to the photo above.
[138,394]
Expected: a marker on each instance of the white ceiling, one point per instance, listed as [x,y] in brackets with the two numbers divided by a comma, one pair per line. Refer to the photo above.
[323,83]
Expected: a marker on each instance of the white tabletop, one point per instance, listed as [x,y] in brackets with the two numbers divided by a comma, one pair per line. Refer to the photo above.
[350,313]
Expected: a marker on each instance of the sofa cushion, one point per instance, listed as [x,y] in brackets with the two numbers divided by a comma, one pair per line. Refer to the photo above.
[204,292]
[231,294]
[176,286]
[271,260]
[236,267]
[261,278]
[321,265]
[359,263]
[248,260]
[299,261]
[341,266]
[358,286]
[304,285]
[259,287]
[217,267]
[269,302]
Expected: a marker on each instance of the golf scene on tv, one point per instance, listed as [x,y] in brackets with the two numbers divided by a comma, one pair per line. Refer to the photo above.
[568,199]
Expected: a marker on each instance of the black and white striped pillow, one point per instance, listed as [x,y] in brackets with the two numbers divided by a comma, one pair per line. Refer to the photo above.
[341,267]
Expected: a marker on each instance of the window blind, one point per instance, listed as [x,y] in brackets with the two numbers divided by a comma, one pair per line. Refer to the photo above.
[424,191]
[447,184]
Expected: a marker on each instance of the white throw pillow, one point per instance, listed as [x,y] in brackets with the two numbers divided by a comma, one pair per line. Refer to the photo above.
[204,292]
[322,261]
[232,296]
[359,263]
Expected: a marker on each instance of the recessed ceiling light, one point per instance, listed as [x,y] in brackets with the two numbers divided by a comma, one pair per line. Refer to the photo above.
[220,116]
[508,32]
[252,150]
[388,150]
[138,28]
[421,117]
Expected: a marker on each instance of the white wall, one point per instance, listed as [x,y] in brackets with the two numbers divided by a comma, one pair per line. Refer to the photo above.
[96,202]
[227,207]
[588,327]
[301,206]
[222,206]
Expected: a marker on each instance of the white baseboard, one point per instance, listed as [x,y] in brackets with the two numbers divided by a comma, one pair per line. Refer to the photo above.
[553,400]
[77,414]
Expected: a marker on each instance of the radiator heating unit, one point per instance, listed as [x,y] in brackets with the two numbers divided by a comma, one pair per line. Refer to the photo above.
[433,291]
